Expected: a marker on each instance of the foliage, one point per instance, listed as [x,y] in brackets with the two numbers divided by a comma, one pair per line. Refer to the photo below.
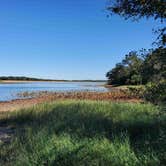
[86,133]
[118,75]
[156,92]
[137,91]
[154,68]
[20,78]
[137,9]
[128,71]
[138,69]
[161,39]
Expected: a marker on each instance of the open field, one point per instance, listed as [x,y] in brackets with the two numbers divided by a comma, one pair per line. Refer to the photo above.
[72,133]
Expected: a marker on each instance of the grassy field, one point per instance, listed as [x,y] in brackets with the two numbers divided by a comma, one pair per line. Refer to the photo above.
[86,133]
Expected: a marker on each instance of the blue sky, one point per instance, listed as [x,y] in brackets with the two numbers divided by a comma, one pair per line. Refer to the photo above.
[63,39]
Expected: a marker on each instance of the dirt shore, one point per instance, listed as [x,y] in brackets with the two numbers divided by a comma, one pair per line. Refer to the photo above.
[25,103]
[19,104]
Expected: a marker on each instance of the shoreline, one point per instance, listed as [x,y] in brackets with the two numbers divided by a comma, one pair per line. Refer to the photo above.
[18,104]
[30,81]
[17,81]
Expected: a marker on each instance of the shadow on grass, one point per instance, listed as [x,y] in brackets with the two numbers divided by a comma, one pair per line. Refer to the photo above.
[92,119]
[143,124]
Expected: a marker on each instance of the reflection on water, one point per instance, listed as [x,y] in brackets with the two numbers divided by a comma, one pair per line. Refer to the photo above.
[10,91]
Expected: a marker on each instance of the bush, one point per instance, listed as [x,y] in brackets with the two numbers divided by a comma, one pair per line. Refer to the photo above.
[137,91]
[156,92]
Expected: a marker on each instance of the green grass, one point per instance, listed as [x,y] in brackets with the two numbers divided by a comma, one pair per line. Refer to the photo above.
[86,133]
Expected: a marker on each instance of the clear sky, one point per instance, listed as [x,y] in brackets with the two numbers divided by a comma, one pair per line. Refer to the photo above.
[65,39]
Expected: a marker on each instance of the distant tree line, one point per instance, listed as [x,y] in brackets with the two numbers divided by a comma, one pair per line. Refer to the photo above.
[22,78]
[14,78]
[139,68]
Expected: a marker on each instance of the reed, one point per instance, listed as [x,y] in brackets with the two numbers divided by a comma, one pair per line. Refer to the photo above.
[118,95]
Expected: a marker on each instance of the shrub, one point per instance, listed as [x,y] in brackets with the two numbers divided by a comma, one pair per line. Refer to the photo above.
[135,91]
[156,92]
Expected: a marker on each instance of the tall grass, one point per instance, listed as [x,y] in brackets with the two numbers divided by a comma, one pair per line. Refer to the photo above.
[74,133]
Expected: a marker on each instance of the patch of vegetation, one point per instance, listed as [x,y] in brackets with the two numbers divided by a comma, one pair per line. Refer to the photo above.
[15,78]
[139,68]
[156,92]
[86,133]
[135,91]
[117,94]
[22,78]
[149,67]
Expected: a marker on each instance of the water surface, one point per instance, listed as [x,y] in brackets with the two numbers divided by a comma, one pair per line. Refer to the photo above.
[9,91]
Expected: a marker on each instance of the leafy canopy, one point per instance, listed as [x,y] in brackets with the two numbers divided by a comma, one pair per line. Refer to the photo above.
[137,9]
[138,68]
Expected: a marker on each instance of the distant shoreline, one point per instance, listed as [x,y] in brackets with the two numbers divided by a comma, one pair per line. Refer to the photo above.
[25,81]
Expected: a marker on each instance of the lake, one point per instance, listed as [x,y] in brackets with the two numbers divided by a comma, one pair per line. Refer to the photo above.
[9,91]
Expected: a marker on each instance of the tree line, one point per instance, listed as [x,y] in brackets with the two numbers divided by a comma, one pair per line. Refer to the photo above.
[21,78]
[139,68]
[149,67]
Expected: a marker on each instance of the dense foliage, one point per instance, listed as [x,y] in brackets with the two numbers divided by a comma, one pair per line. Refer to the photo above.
[128,71]
[138,69]
[156,92]
[148,68]
[154,68]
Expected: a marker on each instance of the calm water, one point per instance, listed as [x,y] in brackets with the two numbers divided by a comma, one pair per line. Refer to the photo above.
[10,91]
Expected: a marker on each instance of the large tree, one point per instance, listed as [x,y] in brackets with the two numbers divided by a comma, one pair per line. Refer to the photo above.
[129,71]
[136,9]
[140,68]
[154,68]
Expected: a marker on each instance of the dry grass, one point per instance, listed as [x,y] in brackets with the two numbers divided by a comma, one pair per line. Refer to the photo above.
[118,95]
[37,98]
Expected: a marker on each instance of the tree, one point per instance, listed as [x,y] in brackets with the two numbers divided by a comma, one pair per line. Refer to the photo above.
[137,9]
[154,68]
[118,75]
[154,65]
[129,71]
[140,68]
